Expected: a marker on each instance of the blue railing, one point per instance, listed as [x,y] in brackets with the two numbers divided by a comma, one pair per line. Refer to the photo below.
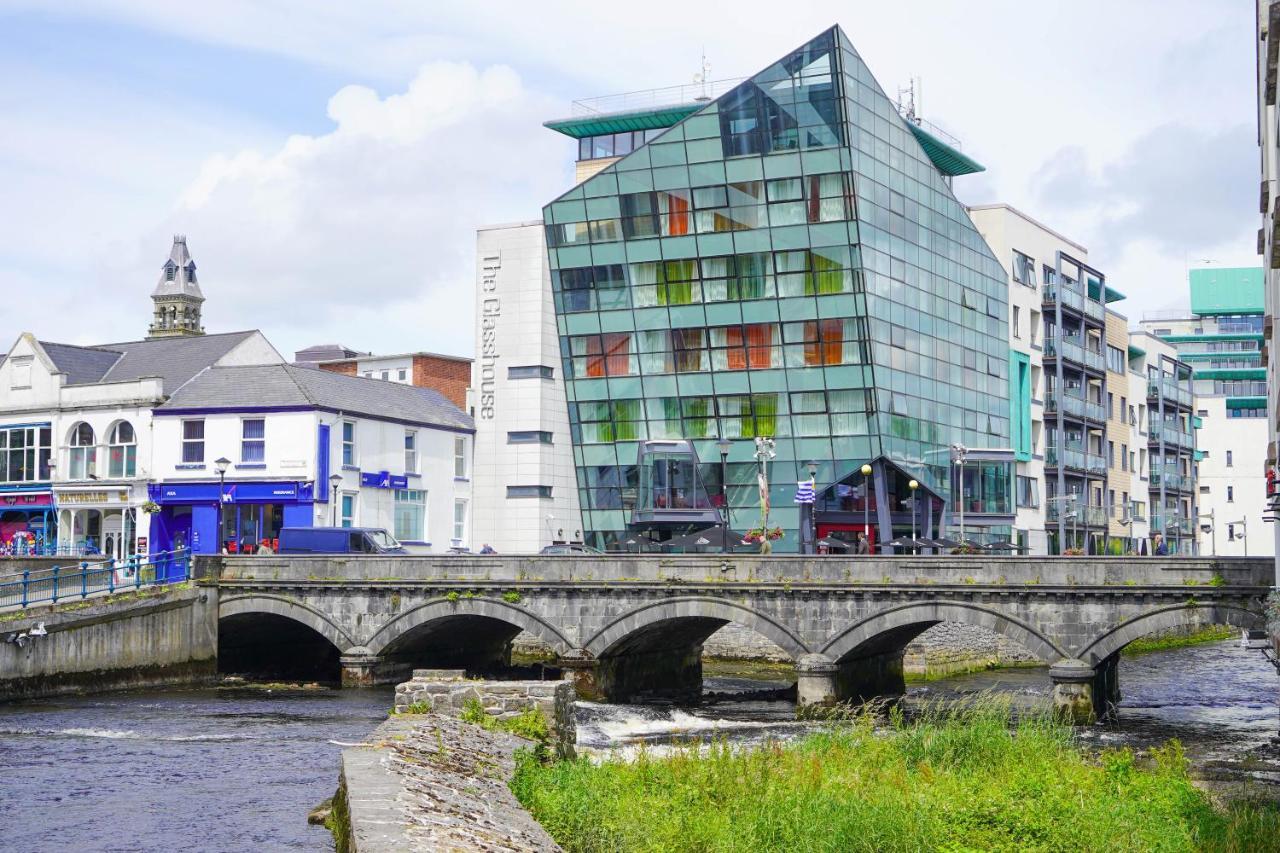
[60,583]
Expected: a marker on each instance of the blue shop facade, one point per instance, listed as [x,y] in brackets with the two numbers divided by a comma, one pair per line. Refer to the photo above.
[237,517]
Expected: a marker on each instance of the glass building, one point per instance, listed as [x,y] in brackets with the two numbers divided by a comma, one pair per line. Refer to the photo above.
[786,260]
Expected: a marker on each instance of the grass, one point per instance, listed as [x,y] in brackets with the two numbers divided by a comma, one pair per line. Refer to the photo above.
[529,724]
[962,780]
[1164,642]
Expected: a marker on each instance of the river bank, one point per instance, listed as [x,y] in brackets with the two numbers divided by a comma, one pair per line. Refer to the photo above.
[961,780]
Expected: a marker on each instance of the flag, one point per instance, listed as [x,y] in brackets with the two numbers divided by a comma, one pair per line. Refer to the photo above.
[804,492]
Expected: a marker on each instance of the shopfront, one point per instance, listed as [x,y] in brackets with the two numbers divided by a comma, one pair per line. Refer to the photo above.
[237,517]
[93,521]
[28,523]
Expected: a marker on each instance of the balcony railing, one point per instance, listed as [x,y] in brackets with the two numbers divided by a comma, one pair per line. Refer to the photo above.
[1084,516]
[1173,524]
[1172,391]
[1170,478]
[1074,406]
[1073,350]
[1092,463]
[1172,435]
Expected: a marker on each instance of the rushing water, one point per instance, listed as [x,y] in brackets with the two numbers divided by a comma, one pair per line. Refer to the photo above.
[231,770]
[210,769]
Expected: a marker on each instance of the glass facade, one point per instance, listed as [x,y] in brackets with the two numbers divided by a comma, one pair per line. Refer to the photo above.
[785,262]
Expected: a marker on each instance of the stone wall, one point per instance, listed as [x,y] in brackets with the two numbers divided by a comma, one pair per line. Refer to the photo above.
[447,691]
[433,783]
[159,636]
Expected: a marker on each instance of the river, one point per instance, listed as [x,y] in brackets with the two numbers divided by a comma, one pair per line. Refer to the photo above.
[238,769]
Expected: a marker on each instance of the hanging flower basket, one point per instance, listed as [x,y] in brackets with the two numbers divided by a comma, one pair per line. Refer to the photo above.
[757,535]
[150,507]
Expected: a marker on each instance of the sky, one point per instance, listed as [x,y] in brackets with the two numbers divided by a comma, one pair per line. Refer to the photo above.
[330,162]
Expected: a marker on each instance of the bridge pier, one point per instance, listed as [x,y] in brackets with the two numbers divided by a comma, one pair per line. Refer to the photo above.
[817,683]
[359,667]
[1074,700]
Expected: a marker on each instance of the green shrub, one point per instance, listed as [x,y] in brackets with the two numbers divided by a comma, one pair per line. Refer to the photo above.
[511,597]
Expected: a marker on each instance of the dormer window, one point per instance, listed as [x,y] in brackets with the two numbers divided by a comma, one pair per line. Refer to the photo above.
[170,271]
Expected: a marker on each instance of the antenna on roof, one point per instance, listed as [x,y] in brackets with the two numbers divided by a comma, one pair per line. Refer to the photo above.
[703,78]
[906,104]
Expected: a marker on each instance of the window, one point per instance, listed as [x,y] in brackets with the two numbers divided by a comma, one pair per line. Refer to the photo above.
[21,372]
[1017,321]
[459,520]
[1202,413]
[25,453]
[1231,533]
[1028,492]
[1204,490]
[348,442]
[1230,461]
[253,444]
[1133,462]
[1124,406]
[529,436]
[1124,457]
[1231,494]
[1111,454]
[1111,405]
[410,452]
[348,510]
[411,515]
[1024,269]
[122,451]
[528,491]
[1116,359]
[193,442]
[460,457]
[386,374]
[402,376]
[533,371]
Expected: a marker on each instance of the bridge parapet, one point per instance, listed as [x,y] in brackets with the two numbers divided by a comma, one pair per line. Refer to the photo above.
[701,568]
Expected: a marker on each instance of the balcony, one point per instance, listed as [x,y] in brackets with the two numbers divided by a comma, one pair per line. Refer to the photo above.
[1173,525]
[1076,460]
[1172,391]
[1172,435]
[1074,299]
[1083,516]
[1073,350]
[1172,479]
[1075,407]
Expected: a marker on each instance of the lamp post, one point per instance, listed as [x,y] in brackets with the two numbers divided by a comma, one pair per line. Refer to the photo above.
[335,480]
[866,504]
[1244,531]
[958,453]
[913,485]
[221,464]
[723,444]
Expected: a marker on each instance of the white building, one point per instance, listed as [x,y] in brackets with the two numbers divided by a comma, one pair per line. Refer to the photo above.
[1268,60]
[525,489]
[242,452]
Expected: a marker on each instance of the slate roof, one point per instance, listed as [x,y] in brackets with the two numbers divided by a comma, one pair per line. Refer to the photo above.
[174,360]
[235,388]
[81,364]
[183,282]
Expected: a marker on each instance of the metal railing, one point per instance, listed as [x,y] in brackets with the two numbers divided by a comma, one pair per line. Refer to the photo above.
[1171,435]
[1074,406]
[1171,478]
[1085,516]
[1172,390]
[1073,349]
[643,99]
[1173,524]
[49,586]
[1079,460]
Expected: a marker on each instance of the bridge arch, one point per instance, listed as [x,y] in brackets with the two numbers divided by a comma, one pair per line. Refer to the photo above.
[629,625]
[1182,615]
[891,629]
[276,605]
[400,627]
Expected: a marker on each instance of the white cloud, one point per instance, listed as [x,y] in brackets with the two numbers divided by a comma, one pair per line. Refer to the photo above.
[366,234]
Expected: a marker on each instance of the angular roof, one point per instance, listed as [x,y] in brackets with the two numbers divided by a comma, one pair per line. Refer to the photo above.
[183,282]
[288,385]
[81,364]
[174,360]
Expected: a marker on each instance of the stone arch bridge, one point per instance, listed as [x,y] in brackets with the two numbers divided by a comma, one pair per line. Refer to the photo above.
[632,626]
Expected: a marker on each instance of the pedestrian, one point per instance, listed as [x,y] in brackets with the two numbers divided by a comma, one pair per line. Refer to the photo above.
[264,547]
[1160,549]
[863,547]
[487,549]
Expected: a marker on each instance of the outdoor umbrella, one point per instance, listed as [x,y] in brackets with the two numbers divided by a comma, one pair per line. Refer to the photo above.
[1001,546]
[833,545]
[944,542]
[906,542]
[711,538]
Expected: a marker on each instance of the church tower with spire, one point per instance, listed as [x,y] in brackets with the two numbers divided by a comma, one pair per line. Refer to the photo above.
[177,297]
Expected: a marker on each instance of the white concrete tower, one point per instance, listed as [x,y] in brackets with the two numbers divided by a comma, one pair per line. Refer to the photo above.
[177,297]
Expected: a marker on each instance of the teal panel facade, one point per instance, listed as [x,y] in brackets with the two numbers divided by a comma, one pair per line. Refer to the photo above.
[794,258]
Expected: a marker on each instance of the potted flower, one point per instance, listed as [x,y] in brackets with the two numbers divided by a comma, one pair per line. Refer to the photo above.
[1073,552]
[762,536]
[150,507]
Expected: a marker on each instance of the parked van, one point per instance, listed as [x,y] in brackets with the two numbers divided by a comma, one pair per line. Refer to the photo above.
[338,540]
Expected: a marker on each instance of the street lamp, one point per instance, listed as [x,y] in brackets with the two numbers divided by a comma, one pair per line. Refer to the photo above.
[913,485]
[221,464]
[723,444]
[1244,531]
[335,480]
[866,503]
[958,454]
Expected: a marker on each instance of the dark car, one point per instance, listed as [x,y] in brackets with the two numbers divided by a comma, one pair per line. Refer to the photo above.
[570,548]
[338,540]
